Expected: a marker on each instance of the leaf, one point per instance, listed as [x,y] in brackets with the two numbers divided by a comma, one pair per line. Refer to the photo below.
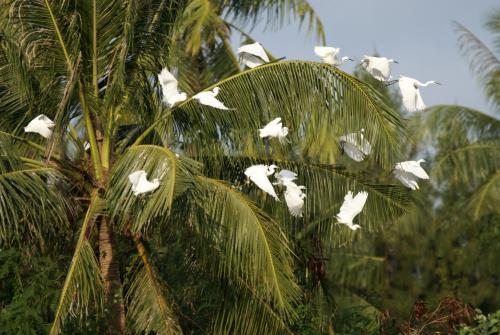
[174,173]
[83,287]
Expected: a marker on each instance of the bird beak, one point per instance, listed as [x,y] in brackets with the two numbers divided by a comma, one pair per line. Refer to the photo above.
[438,83]
[396,62]
[352,60]
[391,82]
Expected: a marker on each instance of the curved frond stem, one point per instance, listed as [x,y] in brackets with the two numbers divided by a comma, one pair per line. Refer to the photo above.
[60,38]
[479,198]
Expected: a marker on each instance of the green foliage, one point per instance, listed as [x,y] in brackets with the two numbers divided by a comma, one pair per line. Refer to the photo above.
[485,325]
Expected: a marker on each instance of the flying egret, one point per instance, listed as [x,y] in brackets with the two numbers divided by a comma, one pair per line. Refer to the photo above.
[259,175]
[350,208]
[253,55]
[294,197]
[274,129]
[408,173]
[329,55]
[140,184]
[355,146]
[284,176]
[171,94]
[209,98]
[411,93]
[41,125]
[378,67]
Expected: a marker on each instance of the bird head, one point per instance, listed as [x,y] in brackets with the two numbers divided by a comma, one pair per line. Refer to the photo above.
[271,168]
[390,60]
[216,90]
[284,131]
[421,161]
[346,58]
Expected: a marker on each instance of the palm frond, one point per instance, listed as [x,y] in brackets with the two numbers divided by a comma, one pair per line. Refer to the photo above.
[253,245]
[317,101]
[149,309]
[484,200]
[176,174]
[83,287]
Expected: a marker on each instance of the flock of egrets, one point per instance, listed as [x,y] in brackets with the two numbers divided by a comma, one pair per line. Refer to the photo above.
[354,144]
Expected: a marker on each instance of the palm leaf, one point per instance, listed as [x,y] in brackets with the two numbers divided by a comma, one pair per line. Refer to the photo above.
[83,287]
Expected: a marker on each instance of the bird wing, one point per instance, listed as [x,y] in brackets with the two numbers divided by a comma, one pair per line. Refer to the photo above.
[409,93]
[353,152]
[168,83]
[271,129]
[286,175]
[365,146]
[207,98]
[294,201]
[381,68]
[45,119]
[251,61]
[135,176]
[326,51]
[261,180]
[352,206]
[414,168]
[407,179]
[419,102]
[254,49]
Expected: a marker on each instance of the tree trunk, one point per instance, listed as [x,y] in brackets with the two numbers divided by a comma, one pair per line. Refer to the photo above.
[110,270]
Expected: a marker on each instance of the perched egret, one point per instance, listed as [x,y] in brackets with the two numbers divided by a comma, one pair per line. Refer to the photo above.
[329,55]
[350,208]
[378,67]
[209,98]
[171,94]
[274,129]
[140,184]
[408,173]
[294,197]
[411,93]
[41,125]
[284,176]
[86,145]
[253,55]
[259,175]
[355,146]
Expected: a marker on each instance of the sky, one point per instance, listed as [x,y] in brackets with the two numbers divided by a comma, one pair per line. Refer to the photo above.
[418,34]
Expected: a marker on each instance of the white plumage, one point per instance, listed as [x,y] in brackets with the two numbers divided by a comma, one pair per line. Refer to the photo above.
[408,173]
[329,55]
[294,197]
[378,67]
[41,125]
[274,129]
[208,98]
[355,146]
[259,175]
[284,176]
[140,184]
[171,94]
[351,207]
[411,93]
[253,55]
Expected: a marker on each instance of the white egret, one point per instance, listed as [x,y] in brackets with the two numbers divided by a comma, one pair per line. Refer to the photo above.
[350,208]
[284,176]
[294,197]
[408,173]
[329,55]
[171,94]
[274,129]
[140,184]
[41,125]
[411,93]
[209,98]
[355,146]
[253,55]
[378,67]
[259,175]
[86,145]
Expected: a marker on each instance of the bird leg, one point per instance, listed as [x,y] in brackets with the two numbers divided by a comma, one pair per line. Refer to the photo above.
[267,143]
[342,146]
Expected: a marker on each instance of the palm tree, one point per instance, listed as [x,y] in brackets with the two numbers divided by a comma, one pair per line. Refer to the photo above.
[212,254]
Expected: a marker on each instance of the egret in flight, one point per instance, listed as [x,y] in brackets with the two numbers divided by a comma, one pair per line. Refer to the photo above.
[351,207]
[355,146]
[259,175]
[408,173]
[411,93]
[41,125]
[294,197]
[378,67]
[252,55]
[208,98]
[140,184]
[329,55]
[171,94]
[274,129]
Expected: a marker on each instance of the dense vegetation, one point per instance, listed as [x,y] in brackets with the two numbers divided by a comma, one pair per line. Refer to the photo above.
[208,252]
